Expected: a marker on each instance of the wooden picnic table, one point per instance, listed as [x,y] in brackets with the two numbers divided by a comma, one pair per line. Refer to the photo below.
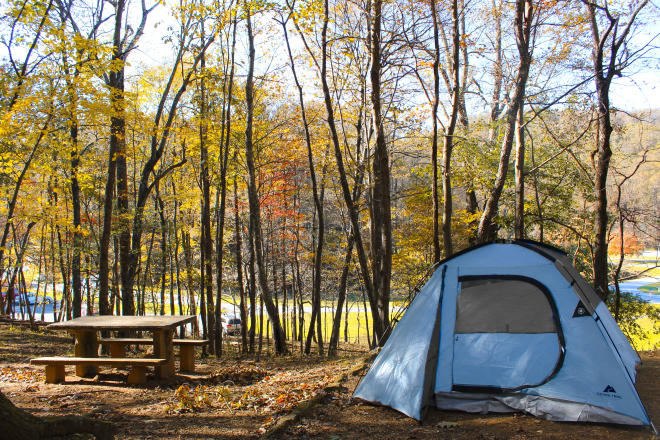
[85,331]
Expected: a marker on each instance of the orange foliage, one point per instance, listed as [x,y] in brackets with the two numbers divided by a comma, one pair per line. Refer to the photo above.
[631,244]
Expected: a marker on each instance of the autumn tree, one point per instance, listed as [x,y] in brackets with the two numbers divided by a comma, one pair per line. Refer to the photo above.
[611,31]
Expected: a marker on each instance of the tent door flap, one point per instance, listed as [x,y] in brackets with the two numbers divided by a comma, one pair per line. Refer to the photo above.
[507,335]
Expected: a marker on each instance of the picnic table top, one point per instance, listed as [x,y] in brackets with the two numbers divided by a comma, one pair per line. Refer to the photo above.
[110,322]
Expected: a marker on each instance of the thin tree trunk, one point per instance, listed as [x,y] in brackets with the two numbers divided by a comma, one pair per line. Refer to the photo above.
[381,217]
[346,192]
[252,288]
[519,216]
[255,210]
[341,297]
[176,250]
[609,54]
[75,186]
[160,208]
[206,243]
[448,144]
[434,142]
[239,269]
[318,205]
[523,26]
[220,229]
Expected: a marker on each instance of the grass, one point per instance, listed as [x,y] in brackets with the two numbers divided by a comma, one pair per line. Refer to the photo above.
[358,332]
[653,341]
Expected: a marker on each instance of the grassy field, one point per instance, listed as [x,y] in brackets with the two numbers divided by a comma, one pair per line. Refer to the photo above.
[357,329]
[653,341]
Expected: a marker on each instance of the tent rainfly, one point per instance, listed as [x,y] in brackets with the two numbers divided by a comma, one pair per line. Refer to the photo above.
[505,327]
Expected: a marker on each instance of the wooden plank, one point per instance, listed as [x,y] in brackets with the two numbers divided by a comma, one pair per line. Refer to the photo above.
[142,341]
[68,360]
[126,341]
[110,322]
[190,341]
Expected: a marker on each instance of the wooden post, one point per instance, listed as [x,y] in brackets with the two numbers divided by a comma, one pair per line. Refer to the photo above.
[117,350]
[55,373]
[187,358]
[138,375]
[164,349]
[87,345]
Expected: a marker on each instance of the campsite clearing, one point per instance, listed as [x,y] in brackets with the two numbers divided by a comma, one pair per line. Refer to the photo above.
[241,398]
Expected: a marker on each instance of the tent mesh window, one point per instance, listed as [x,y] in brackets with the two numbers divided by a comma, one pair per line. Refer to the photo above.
[503,306]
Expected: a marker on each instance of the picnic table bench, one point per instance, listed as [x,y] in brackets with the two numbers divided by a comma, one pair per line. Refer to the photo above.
[55,366]
[85,331]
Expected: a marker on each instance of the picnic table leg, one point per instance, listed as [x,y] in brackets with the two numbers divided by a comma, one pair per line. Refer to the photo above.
[164,349]
[117,350]
[187,358]
[55,373]
[87,345]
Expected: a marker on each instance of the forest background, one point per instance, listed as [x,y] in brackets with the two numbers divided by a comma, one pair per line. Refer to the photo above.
[310,156]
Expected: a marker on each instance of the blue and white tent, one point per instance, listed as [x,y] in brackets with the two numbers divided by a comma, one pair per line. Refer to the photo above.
[503,327]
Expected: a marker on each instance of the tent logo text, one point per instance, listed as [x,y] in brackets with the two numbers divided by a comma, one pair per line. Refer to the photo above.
[609,391]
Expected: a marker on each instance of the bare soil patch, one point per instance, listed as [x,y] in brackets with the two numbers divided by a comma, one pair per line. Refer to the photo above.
[241,397]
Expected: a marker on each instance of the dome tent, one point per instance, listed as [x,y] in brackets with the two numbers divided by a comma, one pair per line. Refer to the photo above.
[508,326]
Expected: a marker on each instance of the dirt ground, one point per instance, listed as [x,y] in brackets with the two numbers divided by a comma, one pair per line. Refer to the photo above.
[238,397]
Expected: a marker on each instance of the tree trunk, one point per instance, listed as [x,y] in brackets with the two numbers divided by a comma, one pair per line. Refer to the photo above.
[448,144]
[341,297]
[346,192]
[381,217]
[118,140]
[21,425]
[206,243]
[239,267]
[220,228]
[160,208]
[76,241]
[253,199]
[176,251]
[607,62]
[523,24]
[519,216]
[434,142]
[318,205]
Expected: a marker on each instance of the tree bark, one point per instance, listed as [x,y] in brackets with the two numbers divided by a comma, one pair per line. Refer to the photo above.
[206,244]
[18,424]
[253,199]
[239,266]
[606,64]
[220,229]
[437,256]
[448,144]
[160,208]
[519,215]
[523,25]
[346,192]
[381,217]
[341,297]
[318,205]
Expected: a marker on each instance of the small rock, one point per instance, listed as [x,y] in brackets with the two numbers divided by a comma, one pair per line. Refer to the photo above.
[447,425]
